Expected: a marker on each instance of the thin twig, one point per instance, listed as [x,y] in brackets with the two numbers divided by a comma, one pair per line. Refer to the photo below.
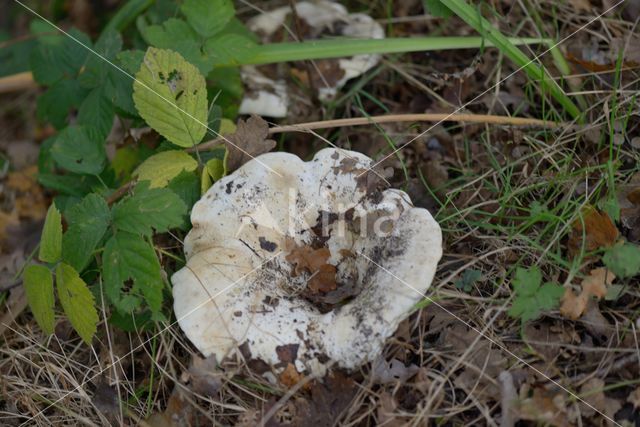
[17,82]
[395,118]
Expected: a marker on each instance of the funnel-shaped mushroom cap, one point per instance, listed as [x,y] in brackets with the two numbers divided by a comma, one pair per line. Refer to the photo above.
[312,264]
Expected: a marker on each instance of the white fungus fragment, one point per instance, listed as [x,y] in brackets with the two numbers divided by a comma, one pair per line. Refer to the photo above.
[269,97]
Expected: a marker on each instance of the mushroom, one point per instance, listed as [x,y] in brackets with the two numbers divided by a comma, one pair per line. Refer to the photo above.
[313,265]
[268,95]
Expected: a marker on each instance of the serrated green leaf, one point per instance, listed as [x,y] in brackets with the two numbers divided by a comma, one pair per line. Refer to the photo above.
[54,105]
[77,301]
[170,94]
[229,49]
[51,240]
[96,69]
[77,150]
[96,112]
[88,221]
[161,168]
[623,260]
[38,287]
[129,257]
[130,60]
[208,17]
[177,35]
[148,209]
[59,56]
[187,187]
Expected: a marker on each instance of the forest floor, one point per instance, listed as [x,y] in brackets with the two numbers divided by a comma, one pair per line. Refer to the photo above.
[506,197]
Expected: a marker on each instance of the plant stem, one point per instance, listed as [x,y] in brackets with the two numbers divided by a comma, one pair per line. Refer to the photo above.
[472,16]
[335,48]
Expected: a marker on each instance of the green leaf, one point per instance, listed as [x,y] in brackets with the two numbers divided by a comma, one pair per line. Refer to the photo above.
[205,181]
[177,35]
[77,150]
[130,61]
[38,287]
[170,94]
[129,257]
[436,8]
[216,169]
[59,56]
[54,105]
[528,281]
[229,49]
[51,240]
[532,299]
[187,187]
[96,113]
[96,69]
[161,168]
[208,17]
[623,260]
[88,221]
[156,208]
[77,301]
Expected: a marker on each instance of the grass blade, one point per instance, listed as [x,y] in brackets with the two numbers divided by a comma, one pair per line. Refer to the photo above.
[536,72]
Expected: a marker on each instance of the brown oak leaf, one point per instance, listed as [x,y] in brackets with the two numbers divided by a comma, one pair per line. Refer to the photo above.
[248,141]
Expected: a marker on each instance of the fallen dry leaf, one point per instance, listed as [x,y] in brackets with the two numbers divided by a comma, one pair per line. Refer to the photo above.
[290,376]
[248,141]
[543,406]
[634,398]
[592,392]
[393,371]
[204,376]
[594,285]
[314,261]
[594,230]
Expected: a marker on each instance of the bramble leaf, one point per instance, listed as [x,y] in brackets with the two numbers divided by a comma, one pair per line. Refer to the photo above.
[229,49]
[77,150]
[88,221]
[623,260]
[161,168]
[177,35]
[59,56]
[38,287]
[208,17]
[77,301]
[171,96]
[128,257]
[156,208]
[51,240]
[96,113]
[54,105]
[96,69]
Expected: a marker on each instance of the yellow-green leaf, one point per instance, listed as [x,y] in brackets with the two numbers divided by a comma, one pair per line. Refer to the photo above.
[38,287]
[51,240]
[161,168]
[205,181]
[215,167]
[171,96]
[77,301]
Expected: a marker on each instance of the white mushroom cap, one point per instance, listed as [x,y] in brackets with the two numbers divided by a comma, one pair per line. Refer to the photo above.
[239,289]
[266,96]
